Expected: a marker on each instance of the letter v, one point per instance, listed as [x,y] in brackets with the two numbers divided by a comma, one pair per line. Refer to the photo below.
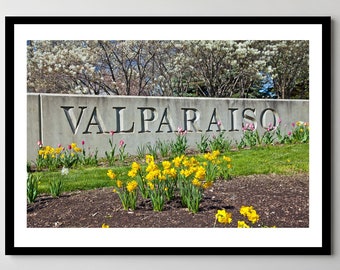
[71,117]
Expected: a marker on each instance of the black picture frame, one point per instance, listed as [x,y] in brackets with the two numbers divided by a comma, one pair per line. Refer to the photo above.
[324,248]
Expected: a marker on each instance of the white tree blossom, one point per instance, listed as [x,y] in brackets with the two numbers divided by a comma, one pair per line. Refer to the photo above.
[214,68]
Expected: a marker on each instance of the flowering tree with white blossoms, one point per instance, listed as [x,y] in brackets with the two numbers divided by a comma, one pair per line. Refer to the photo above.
[289,66]
[62,67]
[212,68]
[224,68]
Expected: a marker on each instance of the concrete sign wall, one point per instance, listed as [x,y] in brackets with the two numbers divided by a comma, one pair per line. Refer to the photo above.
[64,119]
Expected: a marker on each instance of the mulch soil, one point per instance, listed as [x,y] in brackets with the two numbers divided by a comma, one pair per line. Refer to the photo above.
[280,200]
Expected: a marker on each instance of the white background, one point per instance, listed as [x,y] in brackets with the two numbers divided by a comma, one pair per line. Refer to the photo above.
[175,7]
[307,237]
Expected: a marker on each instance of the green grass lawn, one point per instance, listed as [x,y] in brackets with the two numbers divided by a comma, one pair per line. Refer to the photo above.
[285,159]
[279,159]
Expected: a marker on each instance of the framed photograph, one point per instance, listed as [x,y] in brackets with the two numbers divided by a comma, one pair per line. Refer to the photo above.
[168,135]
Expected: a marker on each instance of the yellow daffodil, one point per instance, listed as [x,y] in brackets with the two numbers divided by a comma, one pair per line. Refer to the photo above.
[207,184]
[196,182]
[119,183]
[151,167]
[166,165]
[178,161]
[186,173]
[135,166]
[242,224]
[227,159]
[161,176]
[149,159]
[250,213]
[131,186]
[111,174]
[58,150]
[151,185]
[77,149]
[200,173]
[132,173]
[223,217]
